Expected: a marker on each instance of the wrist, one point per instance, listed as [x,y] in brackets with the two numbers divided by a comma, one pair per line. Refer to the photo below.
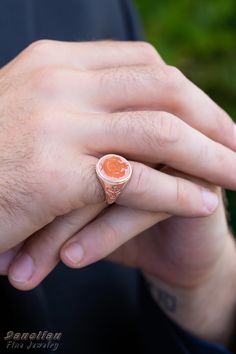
[207,310]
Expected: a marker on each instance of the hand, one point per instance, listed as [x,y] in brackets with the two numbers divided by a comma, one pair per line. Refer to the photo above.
[89,93]
[190,263]
[55,119]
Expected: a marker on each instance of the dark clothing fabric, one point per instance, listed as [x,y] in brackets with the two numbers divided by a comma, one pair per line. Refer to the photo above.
[104,308]
[24,21]
[163,336]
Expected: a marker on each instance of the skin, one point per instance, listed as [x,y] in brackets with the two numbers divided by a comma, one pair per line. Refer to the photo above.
[128,102]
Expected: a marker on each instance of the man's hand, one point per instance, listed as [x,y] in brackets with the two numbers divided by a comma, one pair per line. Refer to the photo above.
[61,110]
[190,263]
[56,119]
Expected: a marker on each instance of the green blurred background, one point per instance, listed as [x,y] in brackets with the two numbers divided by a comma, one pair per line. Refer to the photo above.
[199,37]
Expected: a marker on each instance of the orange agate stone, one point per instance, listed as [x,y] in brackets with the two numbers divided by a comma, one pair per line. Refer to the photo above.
[113,172]
[115,167]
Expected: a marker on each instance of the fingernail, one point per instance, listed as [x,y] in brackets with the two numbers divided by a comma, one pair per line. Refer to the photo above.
[22,269]
[210,200]
[74,252]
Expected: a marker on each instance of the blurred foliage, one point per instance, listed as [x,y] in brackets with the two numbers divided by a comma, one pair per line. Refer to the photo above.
[199,37]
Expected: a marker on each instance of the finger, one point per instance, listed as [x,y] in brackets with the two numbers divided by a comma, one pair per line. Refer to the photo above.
[6,259]
[162,88]
[152,190]
[104,235]
[27,269]
[76,186]
[82,185]
[160,137]
[90,55]
[189,155]
[148,189]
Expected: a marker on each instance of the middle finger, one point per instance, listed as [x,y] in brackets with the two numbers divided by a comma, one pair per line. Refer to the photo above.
[160,137]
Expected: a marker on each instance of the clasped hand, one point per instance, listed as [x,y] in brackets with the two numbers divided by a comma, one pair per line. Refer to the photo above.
[64,105]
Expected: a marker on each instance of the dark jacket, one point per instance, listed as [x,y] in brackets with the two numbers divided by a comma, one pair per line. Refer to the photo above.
[104,308]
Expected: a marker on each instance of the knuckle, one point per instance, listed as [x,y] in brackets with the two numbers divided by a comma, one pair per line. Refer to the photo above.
[40,48]
[120,76]
[110,235]
[206,153]
[222,123]
[173,72]
[168,130]
[59,201]
[220,116]
[47,80]
[120,126]
[42,127]
[148,52]
[161,130]
[63,198]
[156,129]
[170,75]
[140,179]
[94,191]
[181,192]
